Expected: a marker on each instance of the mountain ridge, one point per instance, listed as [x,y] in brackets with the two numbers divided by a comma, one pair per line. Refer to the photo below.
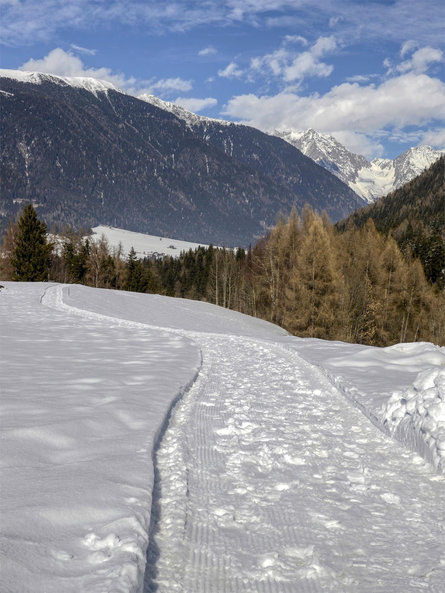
[369,179]
[86,153]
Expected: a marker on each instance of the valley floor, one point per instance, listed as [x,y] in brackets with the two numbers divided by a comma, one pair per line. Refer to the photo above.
[276,472]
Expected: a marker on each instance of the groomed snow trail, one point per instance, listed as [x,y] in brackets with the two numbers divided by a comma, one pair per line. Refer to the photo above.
[271,483]
[268,480]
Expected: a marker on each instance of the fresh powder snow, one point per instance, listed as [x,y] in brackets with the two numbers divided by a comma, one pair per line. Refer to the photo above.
[159,444]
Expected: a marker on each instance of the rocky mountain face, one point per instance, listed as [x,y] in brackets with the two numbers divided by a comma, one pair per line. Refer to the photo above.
[267,154]
[369,179]
[86,153]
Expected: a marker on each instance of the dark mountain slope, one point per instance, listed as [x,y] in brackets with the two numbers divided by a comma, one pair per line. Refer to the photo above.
[289,167]
[87,154]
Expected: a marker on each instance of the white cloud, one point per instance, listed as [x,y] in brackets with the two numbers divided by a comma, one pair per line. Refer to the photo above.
[333,21]
[361,77]
[62,63]
[369,146]
[296,39]
[83,50]
[290,65]
[207,51]
[435,137]
[194,104]
[231,71]
[274,62]
[370,111]
[421,60]
[388,65]
[408,47]
[28,21]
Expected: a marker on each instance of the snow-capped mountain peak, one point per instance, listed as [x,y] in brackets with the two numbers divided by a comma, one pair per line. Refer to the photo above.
[326,151]
[190,118]
[412,162]
[370,180]
[93,85]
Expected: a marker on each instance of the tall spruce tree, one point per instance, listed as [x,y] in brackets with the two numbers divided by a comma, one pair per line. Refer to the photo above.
[135,280]
[31,256]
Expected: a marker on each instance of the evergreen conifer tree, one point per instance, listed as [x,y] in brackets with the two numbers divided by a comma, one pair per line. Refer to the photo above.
[135,280]
[31,255]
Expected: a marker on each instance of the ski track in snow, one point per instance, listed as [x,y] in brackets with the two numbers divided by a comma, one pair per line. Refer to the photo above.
[268,484]
[268,481]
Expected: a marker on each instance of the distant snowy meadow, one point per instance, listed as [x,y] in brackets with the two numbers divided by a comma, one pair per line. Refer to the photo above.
[143,244]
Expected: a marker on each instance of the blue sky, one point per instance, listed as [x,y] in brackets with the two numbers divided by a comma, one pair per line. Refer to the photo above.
[370,73]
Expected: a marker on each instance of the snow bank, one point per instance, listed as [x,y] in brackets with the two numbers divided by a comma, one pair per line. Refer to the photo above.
[416,416]
[401,388]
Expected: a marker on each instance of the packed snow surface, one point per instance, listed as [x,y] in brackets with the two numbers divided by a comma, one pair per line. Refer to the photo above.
[155,444]
[144,245]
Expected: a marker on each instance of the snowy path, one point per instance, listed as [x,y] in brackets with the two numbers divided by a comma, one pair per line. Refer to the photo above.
[267,480]
[271,484]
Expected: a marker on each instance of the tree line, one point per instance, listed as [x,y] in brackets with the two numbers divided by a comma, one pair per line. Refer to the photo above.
[305,275]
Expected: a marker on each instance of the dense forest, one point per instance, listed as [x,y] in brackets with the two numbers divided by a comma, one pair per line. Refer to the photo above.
[305,275]
[414,215]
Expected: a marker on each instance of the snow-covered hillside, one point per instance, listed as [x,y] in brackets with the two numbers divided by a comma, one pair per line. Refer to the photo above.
[369,179]
[144,245]
[276,471]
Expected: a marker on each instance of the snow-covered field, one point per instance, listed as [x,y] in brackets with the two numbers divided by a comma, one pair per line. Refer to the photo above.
[144,245]
[156,444]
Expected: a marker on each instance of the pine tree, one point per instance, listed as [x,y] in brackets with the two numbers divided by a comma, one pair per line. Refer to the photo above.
[31,255]
[75,259]
[6,252]
[135,280]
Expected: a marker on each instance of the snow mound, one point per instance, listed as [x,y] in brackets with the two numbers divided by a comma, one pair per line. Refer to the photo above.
[416,416]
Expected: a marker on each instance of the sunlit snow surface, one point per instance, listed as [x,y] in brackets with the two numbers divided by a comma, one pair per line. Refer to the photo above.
[269,478]
[144,245]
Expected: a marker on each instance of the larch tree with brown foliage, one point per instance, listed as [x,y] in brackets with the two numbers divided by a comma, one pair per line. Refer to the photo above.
[317,309]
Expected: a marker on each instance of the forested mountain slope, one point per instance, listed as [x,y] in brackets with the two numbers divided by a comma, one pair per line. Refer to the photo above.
[415,215]
[85,153]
